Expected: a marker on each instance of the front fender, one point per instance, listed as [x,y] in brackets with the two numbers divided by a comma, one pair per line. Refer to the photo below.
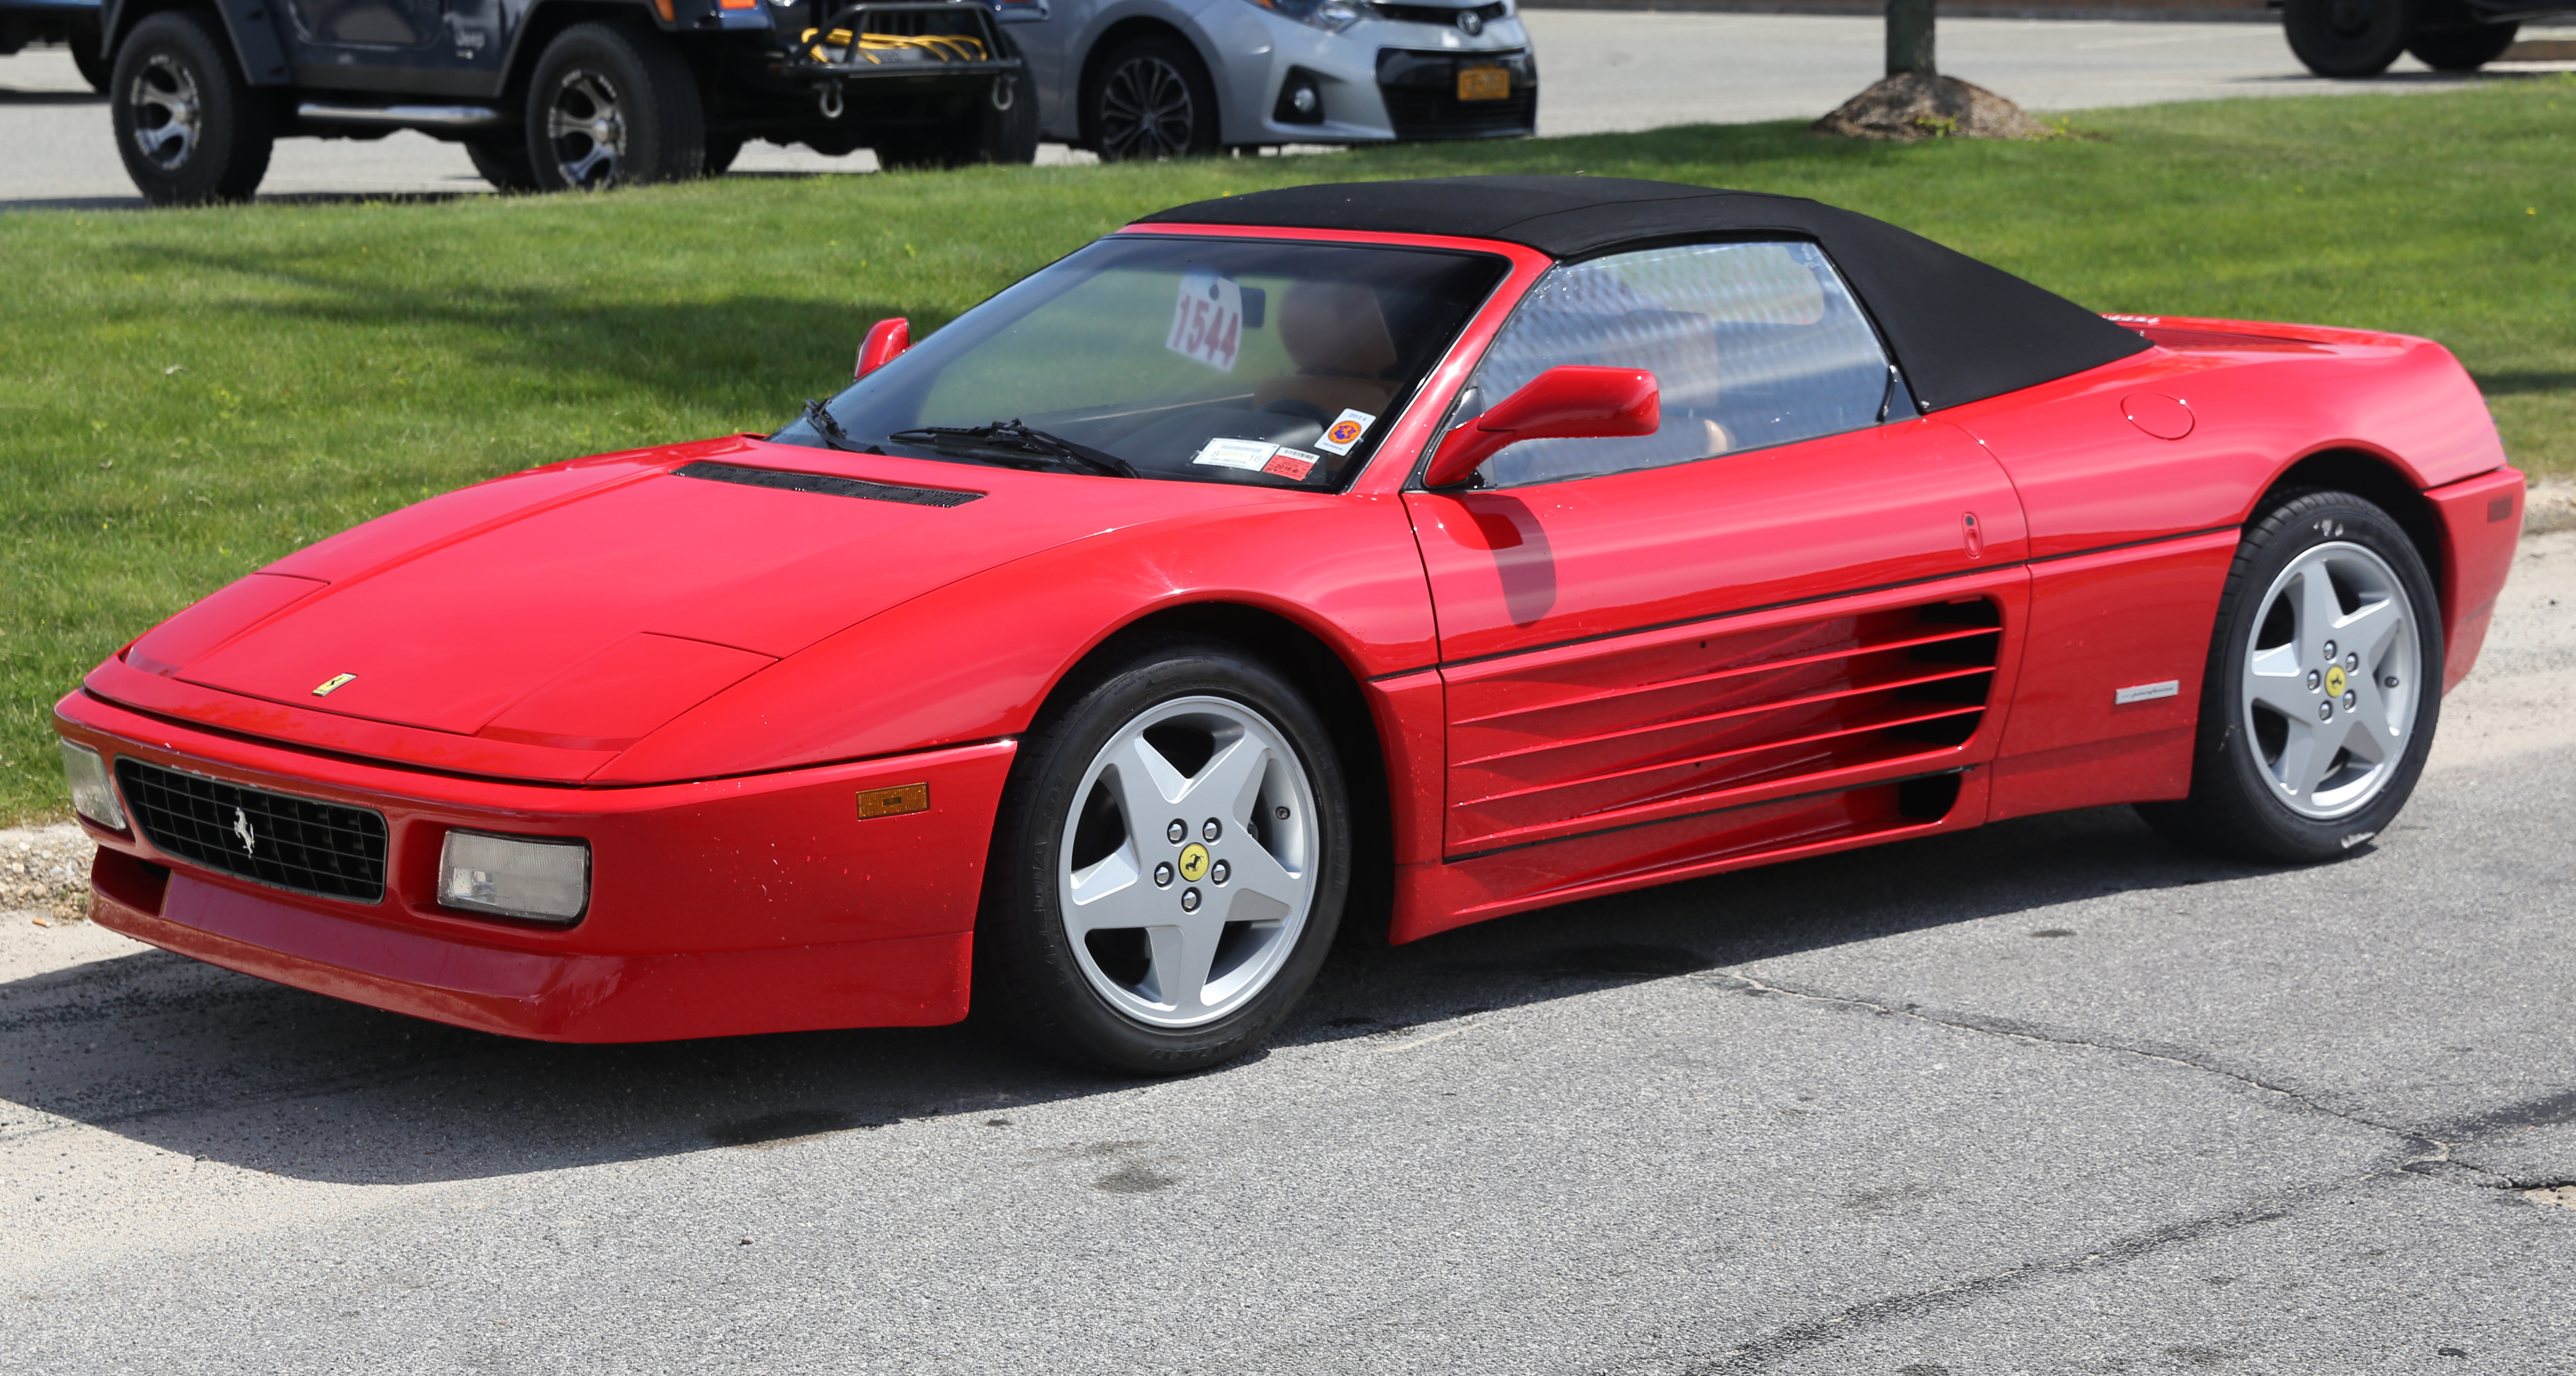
[975,660]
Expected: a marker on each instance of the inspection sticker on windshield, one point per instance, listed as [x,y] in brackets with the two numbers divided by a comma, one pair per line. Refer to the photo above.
[1207,321]
[1249,455]
[1345,431]
[1292,464]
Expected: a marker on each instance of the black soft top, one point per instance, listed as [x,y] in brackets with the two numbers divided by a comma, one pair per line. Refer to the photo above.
[1961,330]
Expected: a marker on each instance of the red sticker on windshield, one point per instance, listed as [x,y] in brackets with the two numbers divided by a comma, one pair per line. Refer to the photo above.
[1292,464]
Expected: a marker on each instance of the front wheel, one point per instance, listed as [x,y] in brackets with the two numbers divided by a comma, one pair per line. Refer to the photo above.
[2322,690]
[188,124]
[1169,866]
[612,105]
[2462,49]
[2347,37]
[1151,98]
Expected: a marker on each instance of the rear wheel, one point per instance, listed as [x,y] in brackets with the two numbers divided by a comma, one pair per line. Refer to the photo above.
[2322,690]
[190,128]
[1169,866]
[2462,49]
[1151,98]
[610,105]
[2347,37]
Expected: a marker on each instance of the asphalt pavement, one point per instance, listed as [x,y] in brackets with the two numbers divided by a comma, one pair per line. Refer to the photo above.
[2053,1096]
[1601,71]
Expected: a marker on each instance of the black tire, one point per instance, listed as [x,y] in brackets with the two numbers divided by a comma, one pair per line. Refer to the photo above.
[504,163]
[1027,973]
[2462,49]
[1001,127]
[1150,98]
[721,151]
[87,55]
[2348,37]
[2236,808]
[589,71]
[175,61]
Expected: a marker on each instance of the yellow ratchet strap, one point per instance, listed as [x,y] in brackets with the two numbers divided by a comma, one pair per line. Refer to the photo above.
[947,47]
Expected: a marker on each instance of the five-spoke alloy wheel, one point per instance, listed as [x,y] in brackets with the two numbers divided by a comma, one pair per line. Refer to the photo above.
[2322,688]
[1169,866]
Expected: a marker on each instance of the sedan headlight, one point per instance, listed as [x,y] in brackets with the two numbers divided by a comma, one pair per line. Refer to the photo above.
[1332,16]
[544,879]
[93,795]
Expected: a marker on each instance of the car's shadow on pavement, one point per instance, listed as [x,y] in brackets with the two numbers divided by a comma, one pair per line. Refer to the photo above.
[219,1066]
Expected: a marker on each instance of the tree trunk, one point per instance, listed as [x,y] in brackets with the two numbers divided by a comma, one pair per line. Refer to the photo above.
[1909,38]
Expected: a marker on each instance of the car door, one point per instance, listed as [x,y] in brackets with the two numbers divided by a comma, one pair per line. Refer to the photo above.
[1782,621]
[443,47]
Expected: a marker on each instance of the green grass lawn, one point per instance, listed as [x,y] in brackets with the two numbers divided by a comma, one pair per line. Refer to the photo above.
[185,396]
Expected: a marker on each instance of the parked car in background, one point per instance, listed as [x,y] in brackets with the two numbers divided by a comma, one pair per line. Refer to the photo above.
[2361,37]
[559,94]
[73,23]
[1161,78]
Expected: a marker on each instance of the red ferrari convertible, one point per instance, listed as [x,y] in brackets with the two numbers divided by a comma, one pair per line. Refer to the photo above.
[1415,552]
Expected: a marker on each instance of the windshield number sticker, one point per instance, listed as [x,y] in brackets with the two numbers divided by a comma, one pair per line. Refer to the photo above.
[1292,464]
[1345,431]
[1207,320]
[1249,455]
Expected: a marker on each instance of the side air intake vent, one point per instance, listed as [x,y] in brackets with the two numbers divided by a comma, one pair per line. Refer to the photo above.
[1690,725]
[823,484]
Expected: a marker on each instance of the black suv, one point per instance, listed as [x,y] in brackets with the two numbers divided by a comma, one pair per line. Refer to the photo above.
[550,95]
[2361,37]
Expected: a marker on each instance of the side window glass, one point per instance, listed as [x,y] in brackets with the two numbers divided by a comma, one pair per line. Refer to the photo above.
[1752,344]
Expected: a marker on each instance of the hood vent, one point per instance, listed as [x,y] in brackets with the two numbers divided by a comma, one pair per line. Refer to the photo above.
[823,484]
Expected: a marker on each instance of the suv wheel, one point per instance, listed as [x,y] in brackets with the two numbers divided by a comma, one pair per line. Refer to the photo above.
[2462,49]
[1151,98]
[1001,127]
[190,128]
[610,105]
[2347,37]
[504,163]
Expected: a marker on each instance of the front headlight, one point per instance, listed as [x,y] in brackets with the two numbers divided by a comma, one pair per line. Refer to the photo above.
[515,876]
[1332,16]
[93,795]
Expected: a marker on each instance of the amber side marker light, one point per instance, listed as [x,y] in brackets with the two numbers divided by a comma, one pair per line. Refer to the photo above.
[894,802]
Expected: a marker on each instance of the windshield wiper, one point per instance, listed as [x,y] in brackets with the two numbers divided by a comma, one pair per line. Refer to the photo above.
[1012,438]
[834,437]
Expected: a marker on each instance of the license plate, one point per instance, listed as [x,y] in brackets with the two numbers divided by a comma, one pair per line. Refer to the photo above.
[1484,83]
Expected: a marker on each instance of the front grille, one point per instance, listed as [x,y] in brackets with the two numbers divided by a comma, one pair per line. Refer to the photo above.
[1421,93]
[1438,14]
[285,842]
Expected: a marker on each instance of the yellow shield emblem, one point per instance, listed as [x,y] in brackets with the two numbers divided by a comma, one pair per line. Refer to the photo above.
[1194,862]
[2335,682]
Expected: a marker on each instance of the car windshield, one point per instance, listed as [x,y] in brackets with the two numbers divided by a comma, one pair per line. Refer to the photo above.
[1160,356]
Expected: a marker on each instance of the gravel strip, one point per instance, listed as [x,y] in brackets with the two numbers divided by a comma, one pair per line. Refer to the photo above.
[44,872]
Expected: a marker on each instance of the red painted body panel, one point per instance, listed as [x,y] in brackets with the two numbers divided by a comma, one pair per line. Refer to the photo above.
[2481,518]
[2101,622]
[1577,688]
[737,879]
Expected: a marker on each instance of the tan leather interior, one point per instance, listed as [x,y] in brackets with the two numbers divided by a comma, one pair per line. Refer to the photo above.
[1336,334]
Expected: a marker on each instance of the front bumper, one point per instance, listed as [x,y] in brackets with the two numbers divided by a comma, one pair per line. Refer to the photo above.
[1264,51]
[717,908]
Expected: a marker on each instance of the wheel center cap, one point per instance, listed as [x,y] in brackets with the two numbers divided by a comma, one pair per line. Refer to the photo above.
[2335,682]
[1194,862]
